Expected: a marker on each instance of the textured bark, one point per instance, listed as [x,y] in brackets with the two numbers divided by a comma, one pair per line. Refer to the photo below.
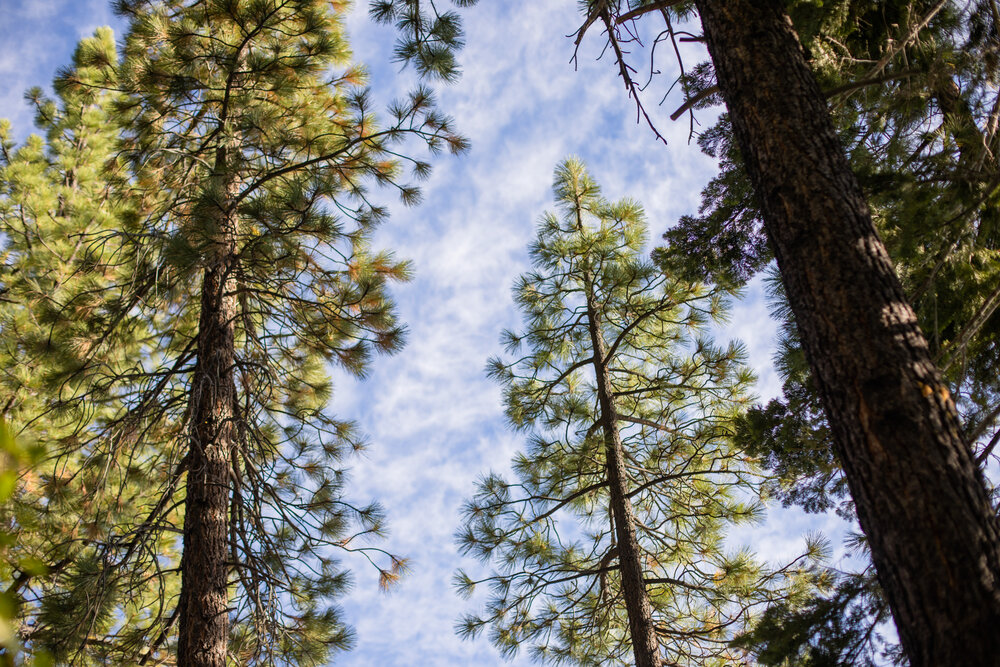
[645,645]
[920,499]
[204,601]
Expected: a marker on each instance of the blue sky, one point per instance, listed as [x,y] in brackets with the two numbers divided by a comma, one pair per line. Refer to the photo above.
[435,422]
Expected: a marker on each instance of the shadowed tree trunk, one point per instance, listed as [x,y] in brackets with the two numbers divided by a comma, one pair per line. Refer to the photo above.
[204,622]
[920,498]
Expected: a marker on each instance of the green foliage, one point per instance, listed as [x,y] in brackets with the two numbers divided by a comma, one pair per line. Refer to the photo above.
[726,240]
[548,534]
[110,221]
[14,457]
[429,40]
[61,197]
[838,628]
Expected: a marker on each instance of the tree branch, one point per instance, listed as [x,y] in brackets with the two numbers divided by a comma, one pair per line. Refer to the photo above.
[635,13]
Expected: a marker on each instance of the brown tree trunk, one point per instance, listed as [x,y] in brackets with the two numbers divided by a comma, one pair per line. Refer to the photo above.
[920,498]
[204,600]
[645,645]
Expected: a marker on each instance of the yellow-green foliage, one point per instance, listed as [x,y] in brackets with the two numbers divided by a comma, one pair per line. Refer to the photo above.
[108,220]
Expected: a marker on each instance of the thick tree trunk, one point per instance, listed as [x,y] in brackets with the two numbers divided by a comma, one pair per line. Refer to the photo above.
[920,498]
[204,601]
[645,645]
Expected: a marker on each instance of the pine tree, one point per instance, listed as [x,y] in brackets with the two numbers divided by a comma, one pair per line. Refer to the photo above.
[913,138]
[609,543]
[917,132]
[908,87]
[243,259]
[262,162]
[61,198]
[899,442]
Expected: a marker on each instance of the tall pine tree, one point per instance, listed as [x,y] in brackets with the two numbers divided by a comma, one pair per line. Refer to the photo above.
[609,545]
[243,268]
[908,87]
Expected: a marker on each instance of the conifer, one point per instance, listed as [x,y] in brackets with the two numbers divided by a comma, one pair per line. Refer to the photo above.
[243,269]
[83,504]
[919,139]
[609,542]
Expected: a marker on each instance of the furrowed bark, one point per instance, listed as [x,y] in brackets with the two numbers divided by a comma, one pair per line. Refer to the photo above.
[920,498]
[204,600]
[645,645]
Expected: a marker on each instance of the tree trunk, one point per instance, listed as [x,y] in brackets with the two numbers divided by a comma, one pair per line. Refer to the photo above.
[645,645]
[920,498]
[204,600]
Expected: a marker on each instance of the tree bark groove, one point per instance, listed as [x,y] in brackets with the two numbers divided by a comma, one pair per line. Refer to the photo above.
[921,500]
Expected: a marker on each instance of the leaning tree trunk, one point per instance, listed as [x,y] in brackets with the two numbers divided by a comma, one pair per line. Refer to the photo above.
[645,645]
[204,600]
[920,498]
